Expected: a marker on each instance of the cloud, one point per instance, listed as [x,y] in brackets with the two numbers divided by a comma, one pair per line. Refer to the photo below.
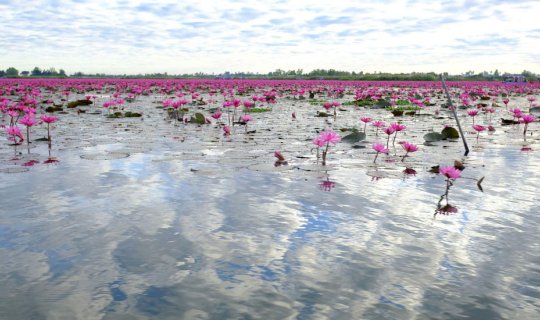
[81,35]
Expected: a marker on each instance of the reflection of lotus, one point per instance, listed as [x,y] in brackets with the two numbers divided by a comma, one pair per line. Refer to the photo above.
[30,163]
[327,185]
[51,161]
[446,210]
[409,171]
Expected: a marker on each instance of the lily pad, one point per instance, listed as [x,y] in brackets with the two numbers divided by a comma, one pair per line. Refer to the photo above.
[382,104]
[433,136]
[104,156]
[354,137]
[198,118]
[449,133]
[14,170]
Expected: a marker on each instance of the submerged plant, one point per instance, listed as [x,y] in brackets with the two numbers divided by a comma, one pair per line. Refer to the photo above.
[280,159]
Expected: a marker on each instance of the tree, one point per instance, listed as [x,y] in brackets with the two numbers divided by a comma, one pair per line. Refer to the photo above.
[36,72]
[2,73]
[12,72]
[25,73]
[62,73]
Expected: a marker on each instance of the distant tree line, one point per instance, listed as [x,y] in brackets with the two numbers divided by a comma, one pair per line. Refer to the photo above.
[37,72]
[279,74]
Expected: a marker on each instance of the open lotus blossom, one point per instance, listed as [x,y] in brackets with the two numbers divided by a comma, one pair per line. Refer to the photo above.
[29,121]
[216,115]
[526,119]
[478,128]
[379,148]
[517,112]
[365,120]
[450,172]
[409,147]
[473,113]
[327,138]
[14,134]
[48,120]
[389,131]
[397,128]
[377,124]
[319,143]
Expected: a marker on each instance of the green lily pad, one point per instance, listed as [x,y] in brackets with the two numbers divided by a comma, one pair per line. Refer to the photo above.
[198,118]
[354,137]
[449,133]
[382,104]
[433,136]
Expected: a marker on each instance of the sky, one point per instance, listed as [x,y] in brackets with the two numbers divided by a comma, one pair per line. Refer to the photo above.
[188,36]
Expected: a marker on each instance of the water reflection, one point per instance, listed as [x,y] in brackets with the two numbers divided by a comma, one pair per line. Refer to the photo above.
[327,185]
[114,238]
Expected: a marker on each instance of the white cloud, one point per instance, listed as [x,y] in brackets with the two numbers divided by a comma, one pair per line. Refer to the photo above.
[395,36]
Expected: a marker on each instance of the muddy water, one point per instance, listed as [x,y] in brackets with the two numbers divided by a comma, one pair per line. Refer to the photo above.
[141,218]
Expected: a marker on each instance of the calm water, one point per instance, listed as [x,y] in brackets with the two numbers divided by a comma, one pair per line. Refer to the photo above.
[209,229]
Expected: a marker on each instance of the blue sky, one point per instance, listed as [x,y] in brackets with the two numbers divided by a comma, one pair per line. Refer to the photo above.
[247,35]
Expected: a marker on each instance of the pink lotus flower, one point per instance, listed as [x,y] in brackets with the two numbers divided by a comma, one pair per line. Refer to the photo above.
[409,147]
[14,134]
[505,101]
[216,115]
[379,148]
[526,119]
[389,130]
[29,121]
[518,113]
[328,105]
[246,118]
[473,113]
[248,104]
[377,124]
[329,137]
[48,119]
[365,120]
[318,142]
[326,138]
[450,172]
[479,128]
[226,130]
[398,127]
